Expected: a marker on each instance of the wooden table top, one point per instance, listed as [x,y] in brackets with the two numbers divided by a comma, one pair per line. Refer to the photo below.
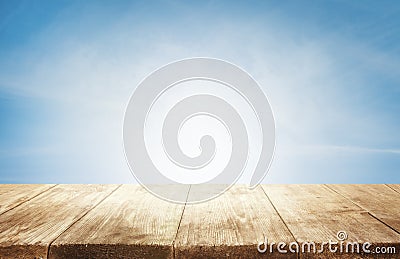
[125,221]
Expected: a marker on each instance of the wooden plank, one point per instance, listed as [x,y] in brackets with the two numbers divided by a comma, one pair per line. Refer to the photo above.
[97,221]
[231,225]
[13,195]
[314,213]
[379,200]
[130,223]
[27,230]
[395,187]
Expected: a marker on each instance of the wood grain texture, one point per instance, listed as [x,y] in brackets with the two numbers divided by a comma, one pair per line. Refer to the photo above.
[314,213]
[27,230]
[130,223]
[395,187]
[379,200]
[13,195]
[111,221]
[231,225]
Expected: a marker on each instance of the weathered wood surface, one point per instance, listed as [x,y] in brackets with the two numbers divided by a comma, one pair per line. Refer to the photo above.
[230,225]
[395,187]
[379,200]
[315,213]
[27,230]
[130,223]
[112,221]
[13,195]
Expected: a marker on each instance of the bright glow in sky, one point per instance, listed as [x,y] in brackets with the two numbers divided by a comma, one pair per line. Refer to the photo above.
[330,69]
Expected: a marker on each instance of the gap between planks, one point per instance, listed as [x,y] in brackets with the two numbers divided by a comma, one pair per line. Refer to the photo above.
[284,223]
[394,189]
[29,199]
[131,222]
[304,209]
[328,188]
[368,210]
[179,224]
[83,215]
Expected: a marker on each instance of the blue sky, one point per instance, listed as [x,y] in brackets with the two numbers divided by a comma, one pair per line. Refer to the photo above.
[331,71]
